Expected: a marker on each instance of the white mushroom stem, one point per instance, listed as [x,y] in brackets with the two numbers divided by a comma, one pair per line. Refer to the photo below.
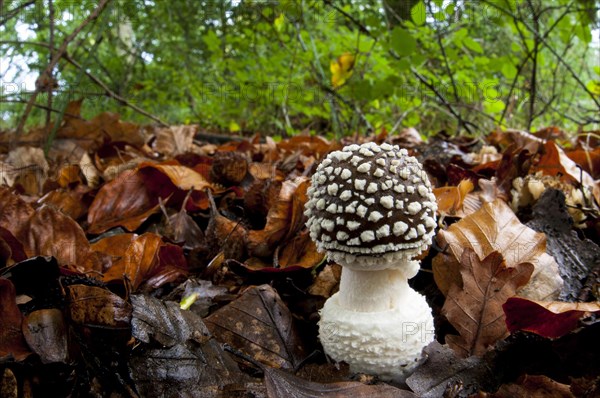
[374,291]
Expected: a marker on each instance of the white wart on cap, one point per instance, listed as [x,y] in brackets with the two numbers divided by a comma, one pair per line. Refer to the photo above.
[371,204]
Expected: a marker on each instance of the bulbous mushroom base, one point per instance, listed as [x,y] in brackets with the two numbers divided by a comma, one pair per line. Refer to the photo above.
[385,343]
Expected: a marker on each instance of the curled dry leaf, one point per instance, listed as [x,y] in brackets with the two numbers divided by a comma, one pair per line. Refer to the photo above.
[284,220]
[182,177]
[551,319]
[139,260]
[12,342]
[175,140]
[300,251]
[260,324]
[450,199]
[496,228]
[475,309]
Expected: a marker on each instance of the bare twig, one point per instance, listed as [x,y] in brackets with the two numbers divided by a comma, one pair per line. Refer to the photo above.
[63,48]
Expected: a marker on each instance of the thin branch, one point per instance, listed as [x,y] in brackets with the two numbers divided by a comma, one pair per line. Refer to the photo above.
[97,81]
[55,59]
[10,14]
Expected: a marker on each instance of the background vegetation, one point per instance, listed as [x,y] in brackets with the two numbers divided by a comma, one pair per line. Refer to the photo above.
[329,67]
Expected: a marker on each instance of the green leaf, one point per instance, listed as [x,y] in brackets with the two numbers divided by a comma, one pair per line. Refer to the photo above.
[402,42]
[509,70]
[594,87]
[418,13]
[492,107]
[472,45]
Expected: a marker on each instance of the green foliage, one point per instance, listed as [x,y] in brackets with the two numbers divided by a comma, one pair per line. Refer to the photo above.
[265,66]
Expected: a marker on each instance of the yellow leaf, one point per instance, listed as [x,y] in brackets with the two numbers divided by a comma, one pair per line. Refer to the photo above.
[341,69]
[234,127]
[279,22]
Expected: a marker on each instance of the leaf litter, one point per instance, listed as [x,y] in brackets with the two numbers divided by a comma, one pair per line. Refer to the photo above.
[218,228]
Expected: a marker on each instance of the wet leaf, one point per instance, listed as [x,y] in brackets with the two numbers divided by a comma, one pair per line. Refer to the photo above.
[12,342]
[443,370]
[97,307]
[283,384]
[177,352]
[259,324]
[475,310]
[46,333]
[551,319]
[496,228]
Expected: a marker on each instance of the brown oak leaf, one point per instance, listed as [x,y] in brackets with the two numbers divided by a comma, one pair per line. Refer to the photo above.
[475,309]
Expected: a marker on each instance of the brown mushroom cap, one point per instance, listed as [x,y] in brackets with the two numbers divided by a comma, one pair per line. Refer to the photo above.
[370,203]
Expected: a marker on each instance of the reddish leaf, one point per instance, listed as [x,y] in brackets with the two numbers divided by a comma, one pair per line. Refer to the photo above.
[301,251]
[138,262]
[12,341]
[285,218]
[548,319]
[475,310]
[182,177]
[124,201]
[14,213]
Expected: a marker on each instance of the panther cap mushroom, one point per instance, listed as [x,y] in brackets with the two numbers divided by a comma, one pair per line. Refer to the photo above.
[371,208]
[371,205]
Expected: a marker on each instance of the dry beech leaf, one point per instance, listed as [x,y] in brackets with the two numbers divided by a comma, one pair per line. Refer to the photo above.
[46,333]
[589,160]
[300,251]
[260,324]
[548,319]
[182,177]
[102,125]
[475,310]
[284,219]
[98,307]
[124,201]
[139,260]
[450,199]
[14,213]
[555,162]
[283,384]
[69,202]
[175,140]
[494,228]
[12,342]
[52,233]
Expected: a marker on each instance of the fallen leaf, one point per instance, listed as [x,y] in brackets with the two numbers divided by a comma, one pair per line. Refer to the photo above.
[138,262]
[124,201]
[182,177]
[12,342]
[175,140]
[496,228]
[443,371]
[283,384]
[177,354]
[97,307]
[259,324]
[576,257]
[300,251]
[14,214]
[548,319]
[46,333]
[533,386]
[285,218]
[475,310]
[450,199]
